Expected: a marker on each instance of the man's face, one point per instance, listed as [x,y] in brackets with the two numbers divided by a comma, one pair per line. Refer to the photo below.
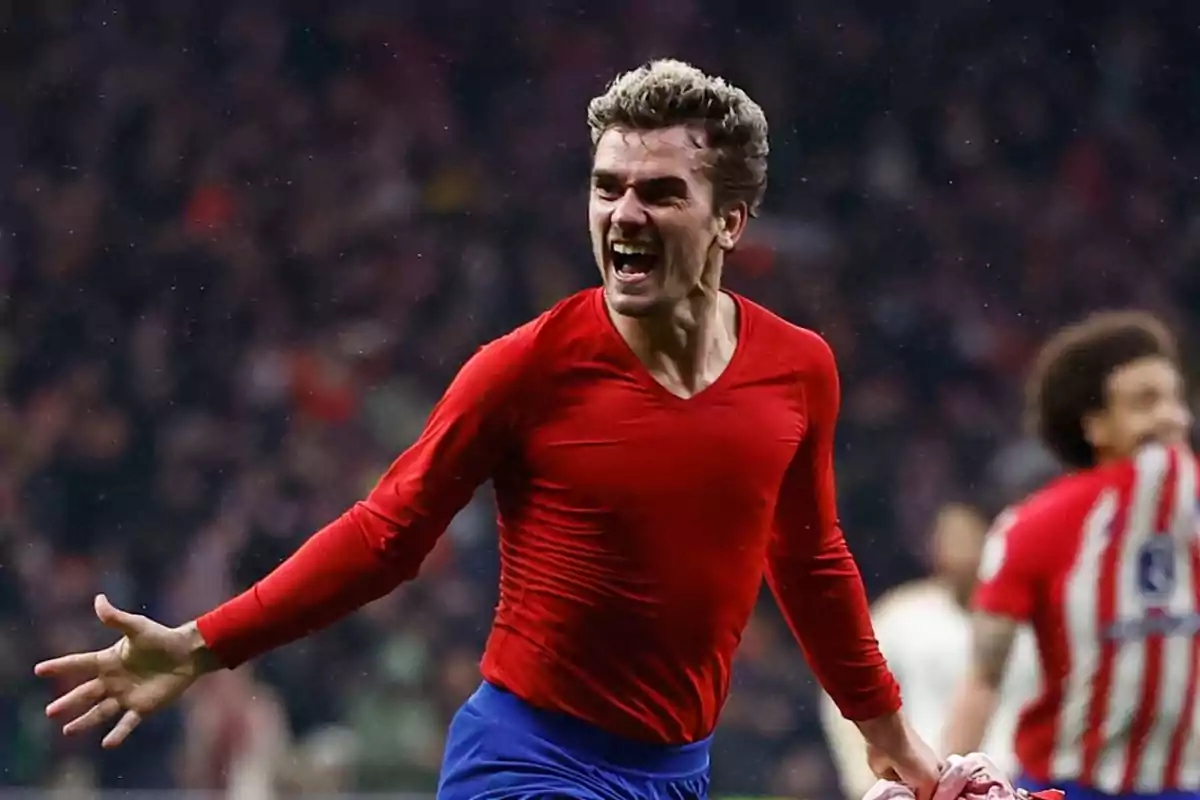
[654,228]
[1145,403]
[958,536]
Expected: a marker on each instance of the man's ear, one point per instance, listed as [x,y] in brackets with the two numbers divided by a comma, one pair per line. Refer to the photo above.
[731,223]
[1097,430]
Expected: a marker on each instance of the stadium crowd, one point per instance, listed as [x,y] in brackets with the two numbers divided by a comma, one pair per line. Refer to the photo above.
[244,245]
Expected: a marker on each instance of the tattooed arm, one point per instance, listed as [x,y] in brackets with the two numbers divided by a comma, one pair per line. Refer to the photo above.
[992,639]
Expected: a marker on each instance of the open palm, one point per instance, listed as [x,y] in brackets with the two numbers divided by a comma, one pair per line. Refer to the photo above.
[146,669]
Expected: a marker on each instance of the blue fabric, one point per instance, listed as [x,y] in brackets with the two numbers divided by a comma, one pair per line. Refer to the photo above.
[501,748]
[1074,791]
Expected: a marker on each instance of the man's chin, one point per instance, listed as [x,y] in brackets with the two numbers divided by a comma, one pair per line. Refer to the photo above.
[632,304]
[1169,439]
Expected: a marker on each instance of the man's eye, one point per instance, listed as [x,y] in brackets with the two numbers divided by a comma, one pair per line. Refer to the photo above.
[659,196]
[662,192]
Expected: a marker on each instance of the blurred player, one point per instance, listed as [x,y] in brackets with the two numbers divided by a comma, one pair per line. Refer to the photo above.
[924,631]
[1104,564]
[236,738]
[656,446]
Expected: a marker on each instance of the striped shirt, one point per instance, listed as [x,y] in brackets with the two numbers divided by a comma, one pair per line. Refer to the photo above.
[1104,564]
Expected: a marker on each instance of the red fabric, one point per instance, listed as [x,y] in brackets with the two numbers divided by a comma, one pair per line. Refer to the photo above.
[635,527]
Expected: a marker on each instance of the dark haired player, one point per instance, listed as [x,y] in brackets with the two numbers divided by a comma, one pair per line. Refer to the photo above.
[1104,564]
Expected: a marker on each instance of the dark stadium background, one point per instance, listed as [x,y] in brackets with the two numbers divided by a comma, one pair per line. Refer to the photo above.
[243,245]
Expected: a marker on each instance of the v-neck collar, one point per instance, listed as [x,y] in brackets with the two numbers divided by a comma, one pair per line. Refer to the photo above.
[641,372]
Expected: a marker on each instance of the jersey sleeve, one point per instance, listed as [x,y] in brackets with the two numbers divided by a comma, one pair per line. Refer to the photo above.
[1009,567]
[382,541]
[809,566]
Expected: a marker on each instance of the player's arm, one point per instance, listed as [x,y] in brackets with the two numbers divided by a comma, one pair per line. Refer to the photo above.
[819,589]
[1003,600]
[381,541]
[358,558]
[975,703]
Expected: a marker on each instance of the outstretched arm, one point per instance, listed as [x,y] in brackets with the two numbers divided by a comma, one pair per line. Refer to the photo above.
[992,638]
[382,541]
[361,556]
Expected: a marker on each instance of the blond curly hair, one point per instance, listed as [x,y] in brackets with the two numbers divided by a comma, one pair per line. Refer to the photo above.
[667,93]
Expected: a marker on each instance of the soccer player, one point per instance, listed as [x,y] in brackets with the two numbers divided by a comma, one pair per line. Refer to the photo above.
[924,630]
[1104,564]
[656,446]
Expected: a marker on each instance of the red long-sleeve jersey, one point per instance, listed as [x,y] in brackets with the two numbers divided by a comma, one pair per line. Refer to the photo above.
[635,526]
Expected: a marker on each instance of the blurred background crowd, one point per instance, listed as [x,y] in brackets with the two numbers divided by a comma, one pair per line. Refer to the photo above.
[244,245]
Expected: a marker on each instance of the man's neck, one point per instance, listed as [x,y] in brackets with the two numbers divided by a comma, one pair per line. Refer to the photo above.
[687,348]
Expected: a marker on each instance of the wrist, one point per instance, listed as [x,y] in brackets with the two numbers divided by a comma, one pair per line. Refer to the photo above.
[888,733]
[203,659]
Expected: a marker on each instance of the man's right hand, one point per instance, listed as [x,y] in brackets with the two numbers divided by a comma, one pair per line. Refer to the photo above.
[146,669]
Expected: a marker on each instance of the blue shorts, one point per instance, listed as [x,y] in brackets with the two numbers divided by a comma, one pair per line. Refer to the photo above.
[501,748]
[1074,791]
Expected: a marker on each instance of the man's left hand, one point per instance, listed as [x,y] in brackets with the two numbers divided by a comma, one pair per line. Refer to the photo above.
[905,758]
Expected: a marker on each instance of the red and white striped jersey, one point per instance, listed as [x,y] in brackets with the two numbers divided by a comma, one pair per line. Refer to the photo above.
[1105,565]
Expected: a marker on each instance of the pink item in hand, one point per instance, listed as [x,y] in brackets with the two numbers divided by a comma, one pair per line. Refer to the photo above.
[970,777]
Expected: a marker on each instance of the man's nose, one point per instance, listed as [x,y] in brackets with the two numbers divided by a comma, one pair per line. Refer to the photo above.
[628,210]
[1181,415]
[1174,416]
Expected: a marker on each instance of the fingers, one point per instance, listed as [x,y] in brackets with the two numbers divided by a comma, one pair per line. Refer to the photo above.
[120,731]
[927,787]
[100,713]
[77,666]
[90,697]
[118,620]
[76,701]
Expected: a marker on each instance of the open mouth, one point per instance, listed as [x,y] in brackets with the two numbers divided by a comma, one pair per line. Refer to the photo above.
[633,262]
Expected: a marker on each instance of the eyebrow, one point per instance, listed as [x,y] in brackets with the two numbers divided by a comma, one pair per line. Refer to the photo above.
[661,182]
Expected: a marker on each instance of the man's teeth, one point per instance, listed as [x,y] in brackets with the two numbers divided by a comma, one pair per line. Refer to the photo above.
[624,249]
[634,258]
